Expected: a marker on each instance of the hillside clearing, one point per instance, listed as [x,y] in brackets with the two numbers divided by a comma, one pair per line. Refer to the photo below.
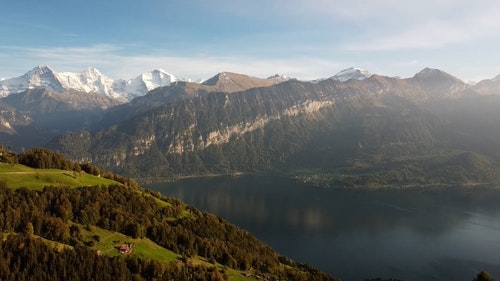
[16,176]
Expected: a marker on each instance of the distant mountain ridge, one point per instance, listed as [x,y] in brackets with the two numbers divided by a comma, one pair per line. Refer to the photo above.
[365,127]
[372,129]
[90,80]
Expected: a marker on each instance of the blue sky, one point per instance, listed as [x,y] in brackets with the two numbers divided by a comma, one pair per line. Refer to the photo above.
[305,39]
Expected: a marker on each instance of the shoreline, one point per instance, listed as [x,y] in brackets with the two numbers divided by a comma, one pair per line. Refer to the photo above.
[154,181]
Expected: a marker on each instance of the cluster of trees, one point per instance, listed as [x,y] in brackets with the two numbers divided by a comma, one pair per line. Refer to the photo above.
[453,168]
[41,158]
[7,155]
[483,276]
[53,212]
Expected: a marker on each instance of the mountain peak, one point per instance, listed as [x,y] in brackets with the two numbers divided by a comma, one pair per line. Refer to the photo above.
[278,77]
[157,78]
[429,72]
[89,80]
[39,76]
[39,70]
[92,71]
[220,77]
[351,73]
[437,82]
[234,82]
[159,70]
[433,73]
[145,82]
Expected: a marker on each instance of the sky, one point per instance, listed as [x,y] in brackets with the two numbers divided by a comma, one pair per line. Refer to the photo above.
[304,39]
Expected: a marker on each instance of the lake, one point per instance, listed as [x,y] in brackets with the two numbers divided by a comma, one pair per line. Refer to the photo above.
[411,234]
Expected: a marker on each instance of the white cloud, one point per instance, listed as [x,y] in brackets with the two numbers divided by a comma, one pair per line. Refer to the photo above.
[310,39]
[110,60]
[434,31]
[427,36]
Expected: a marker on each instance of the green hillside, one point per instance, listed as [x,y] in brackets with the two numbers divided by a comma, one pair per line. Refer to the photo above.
[107,230]
[17,175]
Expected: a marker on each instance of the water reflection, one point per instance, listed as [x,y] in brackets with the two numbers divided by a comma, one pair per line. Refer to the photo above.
[408,234]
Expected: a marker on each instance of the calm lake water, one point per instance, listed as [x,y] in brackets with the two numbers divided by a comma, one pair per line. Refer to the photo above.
[417,234]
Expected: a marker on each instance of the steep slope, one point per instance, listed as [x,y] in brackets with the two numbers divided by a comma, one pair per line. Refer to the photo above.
[10,118]
[179,90]
[52,110]
[198,124]
[74,229]
[39,101]
[37,115]
[378,126]
[367,124]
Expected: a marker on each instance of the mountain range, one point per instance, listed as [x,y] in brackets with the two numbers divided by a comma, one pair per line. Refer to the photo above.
[90,80]
[354,128]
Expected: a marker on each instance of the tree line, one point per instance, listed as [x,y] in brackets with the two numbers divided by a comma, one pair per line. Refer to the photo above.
[42,158]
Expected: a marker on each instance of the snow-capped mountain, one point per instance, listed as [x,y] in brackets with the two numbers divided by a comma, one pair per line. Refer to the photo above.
[40,76]
[346,75]
[351,73]
[144,83]
[88,81]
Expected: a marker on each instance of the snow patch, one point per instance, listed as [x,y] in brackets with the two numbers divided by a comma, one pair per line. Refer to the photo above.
[351,73]
[90,80]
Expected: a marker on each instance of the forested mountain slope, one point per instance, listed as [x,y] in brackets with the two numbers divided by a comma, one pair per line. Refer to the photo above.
[63,233]
[376,131]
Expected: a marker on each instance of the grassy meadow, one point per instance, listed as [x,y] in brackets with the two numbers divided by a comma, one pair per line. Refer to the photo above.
[16,176]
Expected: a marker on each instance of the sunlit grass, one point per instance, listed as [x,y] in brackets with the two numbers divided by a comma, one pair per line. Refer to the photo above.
[16,176]
[108,242]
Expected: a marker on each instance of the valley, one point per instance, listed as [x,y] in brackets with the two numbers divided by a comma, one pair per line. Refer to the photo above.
[352,132]
[251,141]
[353,129]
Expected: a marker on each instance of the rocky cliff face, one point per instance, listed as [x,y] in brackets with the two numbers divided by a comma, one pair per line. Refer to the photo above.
[234,122]
[260,128]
